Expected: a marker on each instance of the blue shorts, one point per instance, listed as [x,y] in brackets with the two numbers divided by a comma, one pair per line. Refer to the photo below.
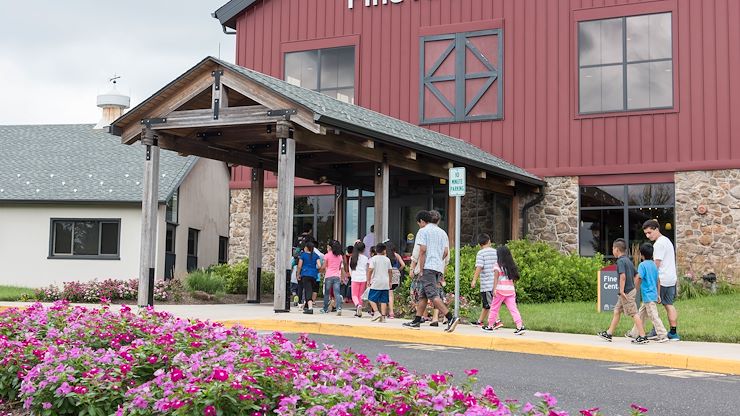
[378,296]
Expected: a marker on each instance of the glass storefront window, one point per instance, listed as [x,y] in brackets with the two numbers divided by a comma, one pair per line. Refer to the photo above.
[316,212]
[618,211]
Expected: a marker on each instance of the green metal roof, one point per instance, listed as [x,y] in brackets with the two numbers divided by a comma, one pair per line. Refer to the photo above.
[353,118]
[74,163]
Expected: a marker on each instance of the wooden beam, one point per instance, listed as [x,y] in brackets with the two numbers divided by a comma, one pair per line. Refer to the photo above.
[448,165]
[382,194]
[233,116]
[515,217]
[270,99]
[149,205]
[284,237]
[410,154]
[200,84]
[370,144]
[202,149]
[481,174]
[349,147]
[256,203]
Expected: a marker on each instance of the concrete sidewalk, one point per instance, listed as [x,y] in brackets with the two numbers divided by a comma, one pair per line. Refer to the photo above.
[701,356]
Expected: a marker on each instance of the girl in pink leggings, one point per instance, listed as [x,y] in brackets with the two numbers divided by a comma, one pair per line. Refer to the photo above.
[505,275]
[358,273]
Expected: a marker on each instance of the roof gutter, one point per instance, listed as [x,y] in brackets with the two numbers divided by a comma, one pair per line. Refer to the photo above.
[527,206]
[342,125]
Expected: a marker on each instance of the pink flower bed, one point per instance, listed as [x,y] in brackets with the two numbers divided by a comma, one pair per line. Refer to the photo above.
[64,360]
[109,289]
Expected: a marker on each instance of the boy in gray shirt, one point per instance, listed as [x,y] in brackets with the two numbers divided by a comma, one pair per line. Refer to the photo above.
[627,294]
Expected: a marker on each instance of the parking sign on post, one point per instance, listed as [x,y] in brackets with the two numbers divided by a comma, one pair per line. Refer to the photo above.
[457,189]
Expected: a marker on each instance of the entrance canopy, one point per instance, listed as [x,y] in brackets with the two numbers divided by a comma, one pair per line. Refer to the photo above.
[226,112]
[233,114]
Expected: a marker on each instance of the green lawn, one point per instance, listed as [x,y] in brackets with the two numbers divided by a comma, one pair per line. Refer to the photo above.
[710,318]
[11,293]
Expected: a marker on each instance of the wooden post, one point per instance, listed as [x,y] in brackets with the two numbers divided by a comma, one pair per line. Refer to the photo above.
[339,201]
[382,193]
[286,181]
[149,205]
[451,220]
[257,199]
[515,217]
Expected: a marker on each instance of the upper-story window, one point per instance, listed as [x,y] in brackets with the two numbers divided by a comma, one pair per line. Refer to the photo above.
[329,71]
[461,77]
[625,64]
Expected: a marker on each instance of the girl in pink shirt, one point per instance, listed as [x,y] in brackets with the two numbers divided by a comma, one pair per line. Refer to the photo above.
[333,264]
[505,275]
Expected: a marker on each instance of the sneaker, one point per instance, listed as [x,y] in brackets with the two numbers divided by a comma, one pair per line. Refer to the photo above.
[382,319]
[498,325]
[673,336]
[412,325]
[434,323]
[660,340]
[358,312]
[308,311]
[295,300]
[339,312]
[605,336]
[652,334]
[487,328]
[377,317]
[322,311]
[629,335]
[640,340]
[477,323]
[520,331]
[452,324]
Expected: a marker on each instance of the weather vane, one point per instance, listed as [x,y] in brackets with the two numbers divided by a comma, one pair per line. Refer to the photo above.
[115,77]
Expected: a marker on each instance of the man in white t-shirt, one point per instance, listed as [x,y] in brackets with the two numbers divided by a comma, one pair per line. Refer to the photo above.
[665,258]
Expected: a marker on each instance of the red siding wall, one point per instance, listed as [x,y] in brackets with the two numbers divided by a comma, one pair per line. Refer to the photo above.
[540,130]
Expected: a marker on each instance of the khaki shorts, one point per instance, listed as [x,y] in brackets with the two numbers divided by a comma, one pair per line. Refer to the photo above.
[628,307]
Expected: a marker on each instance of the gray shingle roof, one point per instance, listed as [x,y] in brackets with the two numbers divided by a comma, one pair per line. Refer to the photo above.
[349,117]
[76,163]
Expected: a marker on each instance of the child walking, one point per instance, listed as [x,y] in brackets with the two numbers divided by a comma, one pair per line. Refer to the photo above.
[379,272]
[308,275]
[485,262]
[647,276]
[333,262]
[505,275]
[358,274]
[398,265]
[627,292]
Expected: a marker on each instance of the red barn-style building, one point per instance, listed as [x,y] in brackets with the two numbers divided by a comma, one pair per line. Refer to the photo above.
[627,109]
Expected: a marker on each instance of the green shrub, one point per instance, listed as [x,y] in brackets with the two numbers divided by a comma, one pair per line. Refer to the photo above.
[268,282]
[205,281]
[234,276]
[546,275]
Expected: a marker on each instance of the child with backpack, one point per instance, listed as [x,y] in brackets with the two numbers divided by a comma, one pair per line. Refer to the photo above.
[505,275]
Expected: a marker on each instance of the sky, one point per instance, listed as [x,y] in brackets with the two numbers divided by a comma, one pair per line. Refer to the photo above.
[56,56]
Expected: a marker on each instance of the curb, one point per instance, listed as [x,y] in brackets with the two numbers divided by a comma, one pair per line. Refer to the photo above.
[520,345]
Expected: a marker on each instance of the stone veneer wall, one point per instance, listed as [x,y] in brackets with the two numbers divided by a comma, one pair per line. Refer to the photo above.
[241,221]
[477,216]
[555,219]
[708,222]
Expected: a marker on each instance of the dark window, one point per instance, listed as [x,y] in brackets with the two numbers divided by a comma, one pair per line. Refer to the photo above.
[318,211]
[85,238]
[192,263]
[485,212]
[625,64]
[618,211]
[223,250]
[169,251]
[461,77]
[172,207]
[329,71]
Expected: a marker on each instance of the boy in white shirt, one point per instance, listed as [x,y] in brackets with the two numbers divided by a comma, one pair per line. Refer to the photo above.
[379,271]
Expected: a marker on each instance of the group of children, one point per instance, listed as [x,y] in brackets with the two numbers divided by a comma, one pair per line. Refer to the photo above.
[352,274]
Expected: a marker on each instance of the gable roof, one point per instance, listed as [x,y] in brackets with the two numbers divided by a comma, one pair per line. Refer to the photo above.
[228,13]
[348,117]
[74,163]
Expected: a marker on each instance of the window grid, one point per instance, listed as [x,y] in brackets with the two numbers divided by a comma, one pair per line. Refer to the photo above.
[319,88]
[624,64]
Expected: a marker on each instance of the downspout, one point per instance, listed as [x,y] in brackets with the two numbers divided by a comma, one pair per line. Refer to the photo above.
[527,206]
[226,31]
